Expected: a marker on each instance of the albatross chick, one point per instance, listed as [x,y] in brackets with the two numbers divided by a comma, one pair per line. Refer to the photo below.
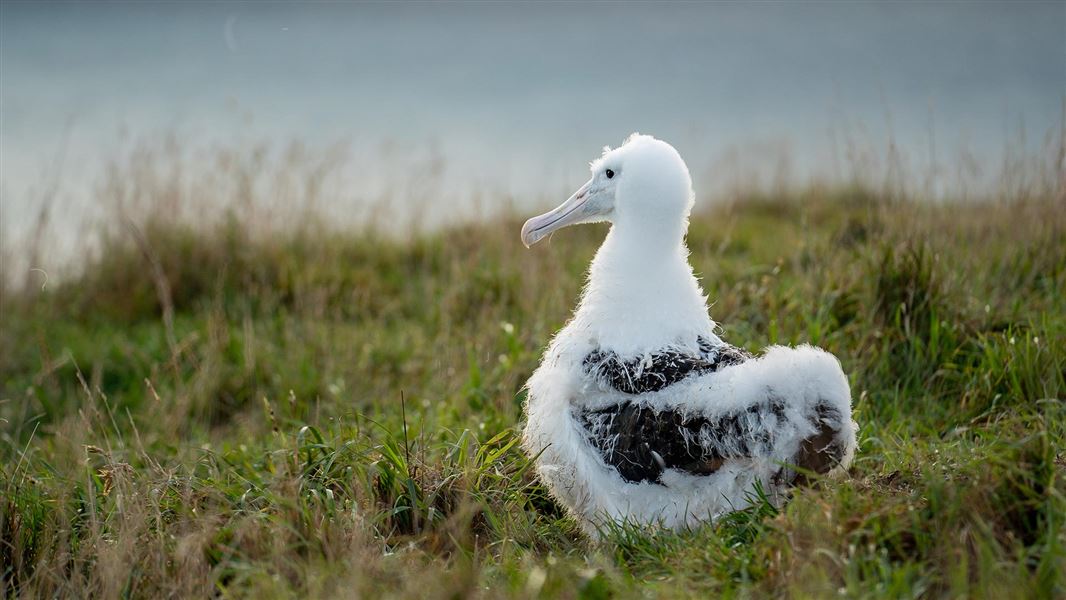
[639,411]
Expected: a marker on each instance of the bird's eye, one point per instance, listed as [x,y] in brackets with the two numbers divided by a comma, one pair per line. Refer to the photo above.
[609,173]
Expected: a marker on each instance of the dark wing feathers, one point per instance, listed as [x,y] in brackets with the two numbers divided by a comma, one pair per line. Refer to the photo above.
[823,450]
[661,369]
[641,443]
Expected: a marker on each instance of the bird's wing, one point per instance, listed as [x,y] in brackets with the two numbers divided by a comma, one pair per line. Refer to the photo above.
[658,370]
[641,443]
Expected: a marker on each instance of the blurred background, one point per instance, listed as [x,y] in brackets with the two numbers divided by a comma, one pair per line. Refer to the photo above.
[444,112]
[266,320]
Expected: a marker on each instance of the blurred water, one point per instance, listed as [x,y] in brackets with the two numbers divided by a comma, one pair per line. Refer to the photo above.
[516,98]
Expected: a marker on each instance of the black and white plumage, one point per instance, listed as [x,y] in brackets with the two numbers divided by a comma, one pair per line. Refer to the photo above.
[639,411]
[655,371]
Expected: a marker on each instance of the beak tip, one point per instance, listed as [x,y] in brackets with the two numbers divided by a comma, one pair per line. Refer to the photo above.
[528,238]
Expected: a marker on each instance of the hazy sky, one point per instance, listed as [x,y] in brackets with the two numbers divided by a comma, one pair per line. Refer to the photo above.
[519,95]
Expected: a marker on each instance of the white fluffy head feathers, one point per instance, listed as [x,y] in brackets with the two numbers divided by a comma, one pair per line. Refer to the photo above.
[643,185]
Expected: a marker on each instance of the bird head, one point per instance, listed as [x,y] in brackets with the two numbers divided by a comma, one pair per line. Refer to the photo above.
[641,186]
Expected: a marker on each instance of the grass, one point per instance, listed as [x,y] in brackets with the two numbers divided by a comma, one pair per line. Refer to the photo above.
[203,409]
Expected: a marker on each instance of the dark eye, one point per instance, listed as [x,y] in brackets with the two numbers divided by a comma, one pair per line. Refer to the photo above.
[609,173]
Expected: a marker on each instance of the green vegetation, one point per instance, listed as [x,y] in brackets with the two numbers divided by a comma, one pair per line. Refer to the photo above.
[209,410]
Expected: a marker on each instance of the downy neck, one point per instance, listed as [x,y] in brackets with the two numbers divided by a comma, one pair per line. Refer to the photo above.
[642,294]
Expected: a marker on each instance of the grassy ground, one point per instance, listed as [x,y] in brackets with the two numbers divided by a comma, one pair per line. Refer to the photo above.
[207,411]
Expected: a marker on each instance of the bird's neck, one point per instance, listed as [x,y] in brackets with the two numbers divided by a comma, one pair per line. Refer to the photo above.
[642,293]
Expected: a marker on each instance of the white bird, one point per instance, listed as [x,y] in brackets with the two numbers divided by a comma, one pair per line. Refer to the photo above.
[638,411]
